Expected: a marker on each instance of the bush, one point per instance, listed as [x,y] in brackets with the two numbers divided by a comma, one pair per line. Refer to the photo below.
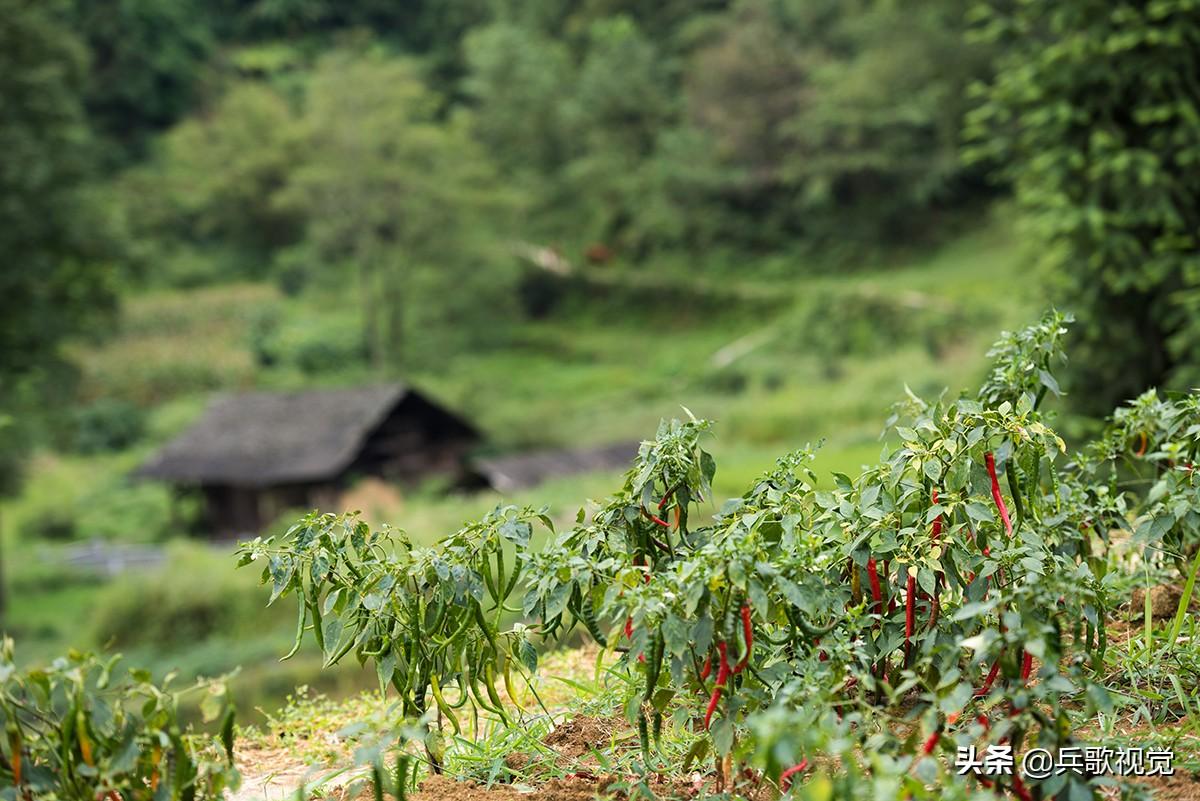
[132,512]
[836,324]
[193,598]
[323,345]
[108,424]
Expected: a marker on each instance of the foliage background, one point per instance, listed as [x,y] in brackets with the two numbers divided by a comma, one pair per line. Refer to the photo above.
[777,212]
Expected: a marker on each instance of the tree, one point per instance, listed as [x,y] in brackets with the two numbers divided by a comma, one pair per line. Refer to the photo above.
[879,142]
[211,189]
[146,62]
[518,81]
[842,119]
[620,105]
[1095,111]
[54,281]
[404,199]
[54,238]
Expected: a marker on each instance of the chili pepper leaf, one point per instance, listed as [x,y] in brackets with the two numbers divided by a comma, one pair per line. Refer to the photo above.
[933,469]
[331,601]
[956,699]
[697,752]
[927,579]
[792,592]
[127,752]
[976,609]
[722,735]
[527,654]
[281,568]
[694,592]
[440,568]
[979,512]
[333,633]
[957,475]
[675,634]
[556,602]
[518,532]
[1033,565]
[1049,382]
[319,568]
[385,666]
[702,631]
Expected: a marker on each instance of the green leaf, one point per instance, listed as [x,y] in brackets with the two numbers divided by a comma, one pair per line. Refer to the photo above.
[282,568]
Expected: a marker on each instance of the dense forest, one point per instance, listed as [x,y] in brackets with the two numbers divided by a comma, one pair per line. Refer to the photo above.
[410,149]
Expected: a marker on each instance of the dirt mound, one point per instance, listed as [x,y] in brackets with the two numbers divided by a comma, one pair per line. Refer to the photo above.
[581,735]
[1164,601]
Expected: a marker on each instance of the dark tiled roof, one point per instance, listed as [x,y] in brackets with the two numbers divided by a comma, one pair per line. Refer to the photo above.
[264,438]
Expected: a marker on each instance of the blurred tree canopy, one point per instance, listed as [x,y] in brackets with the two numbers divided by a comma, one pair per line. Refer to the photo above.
[55,239]
[146,62]
[401,203]
[402,152]
[1094,112]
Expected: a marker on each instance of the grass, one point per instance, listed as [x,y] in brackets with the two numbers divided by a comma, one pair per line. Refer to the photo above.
[592,374]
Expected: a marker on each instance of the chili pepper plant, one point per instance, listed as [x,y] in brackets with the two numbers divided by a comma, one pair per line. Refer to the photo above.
[82,728]
[955,593]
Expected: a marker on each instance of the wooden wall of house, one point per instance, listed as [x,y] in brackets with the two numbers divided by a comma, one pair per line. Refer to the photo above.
[415,441]
[231,511]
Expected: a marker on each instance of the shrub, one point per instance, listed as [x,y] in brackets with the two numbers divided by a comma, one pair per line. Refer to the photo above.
[108,424]
[192,598]
[81,729]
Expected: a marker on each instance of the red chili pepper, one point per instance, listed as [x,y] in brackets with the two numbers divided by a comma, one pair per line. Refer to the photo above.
[937,521]
[991,678]
[931,743]
[1142,443]
[707,669]
[876,592]
[629,628]
[910,606]
[1020,789]
[656,519]
[984,721]
[990,461]
[1026,666]
[785,778]
[723,674]
[748,635]
[887,577]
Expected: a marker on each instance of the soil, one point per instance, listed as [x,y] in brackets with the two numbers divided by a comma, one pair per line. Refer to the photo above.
[582,735]
[1180,787]
[1164,602]
[568,750]
[444,788]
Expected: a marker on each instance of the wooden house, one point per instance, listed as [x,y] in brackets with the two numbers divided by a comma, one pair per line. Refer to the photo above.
[255,455]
